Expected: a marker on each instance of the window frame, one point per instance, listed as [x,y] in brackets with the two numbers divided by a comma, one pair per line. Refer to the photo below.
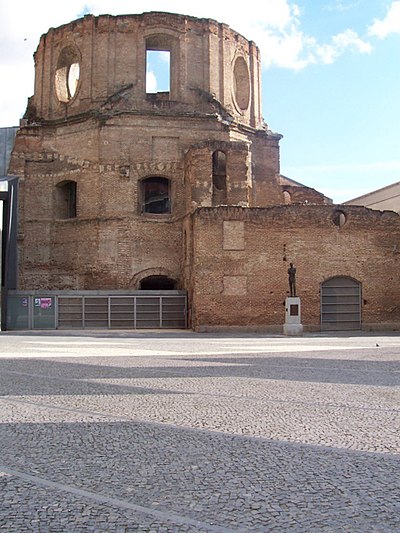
[66,200]
[142,198]
[163,42]
[69,61]
[219,177]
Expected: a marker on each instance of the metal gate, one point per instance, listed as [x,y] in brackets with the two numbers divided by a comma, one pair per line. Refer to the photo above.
[340,304]
[122,312]
[96,309]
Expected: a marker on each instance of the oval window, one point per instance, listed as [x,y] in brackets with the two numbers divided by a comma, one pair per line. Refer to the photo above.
[339,218]
[241,83]
[67,74]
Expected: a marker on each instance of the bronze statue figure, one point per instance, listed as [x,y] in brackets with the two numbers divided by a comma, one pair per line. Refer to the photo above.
[292,279]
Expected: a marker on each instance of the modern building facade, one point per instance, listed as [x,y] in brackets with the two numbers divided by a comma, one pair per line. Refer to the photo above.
[385,198]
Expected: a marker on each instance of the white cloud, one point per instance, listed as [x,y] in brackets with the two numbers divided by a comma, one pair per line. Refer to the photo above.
[164,57]
[275,25]
[284,44]
[347,40]
[342,5]
[295,50]
[151,82]
[390,24]
[350,39]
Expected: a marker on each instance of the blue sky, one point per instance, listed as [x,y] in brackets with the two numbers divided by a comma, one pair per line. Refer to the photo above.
[331,77]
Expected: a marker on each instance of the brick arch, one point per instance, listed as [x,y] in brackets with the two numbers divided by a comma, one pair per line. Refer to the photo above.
[287,197]
[345,276]
[148,272]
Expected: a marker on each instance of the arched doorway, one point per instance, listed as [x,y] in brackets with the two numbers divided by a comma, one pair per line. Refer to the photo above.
[340,304]
[157,283]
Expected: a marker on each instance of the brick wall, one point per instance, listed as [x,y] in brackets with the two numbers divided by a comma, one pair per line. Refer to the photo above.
[112,55]
[110,136]
[240,277]
[305,195]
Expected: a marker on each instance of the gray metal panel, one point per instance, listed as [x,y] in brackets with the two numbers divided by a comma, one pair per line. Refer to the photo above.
[148,312]
[117,292]
[96,312]
[78,309]
[7,137]
[70,312]
[340,304]
[100,309]
[122,312]
[173,311]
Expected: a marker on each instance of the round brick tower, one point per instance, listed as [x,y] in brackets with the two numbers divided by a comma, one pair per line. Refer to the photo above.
[99,64]
[111,170]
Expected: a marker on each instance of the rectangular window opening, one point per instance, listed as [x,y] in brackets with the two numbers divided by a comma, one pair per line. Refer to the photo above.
[66,200]
[71,203]
[158,71]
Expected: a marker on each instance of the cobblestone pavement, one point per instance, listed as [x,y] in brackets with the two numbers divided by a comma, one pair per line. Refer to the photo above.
[199,433]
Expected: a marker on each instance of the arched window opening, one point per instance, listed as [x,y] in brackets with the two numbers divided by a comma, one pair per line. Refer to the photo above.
[219,170]
[67,74]
[157,71]
[155,195]
[287,199]
[339,218]
[157,283]
[66,200]
[219,177]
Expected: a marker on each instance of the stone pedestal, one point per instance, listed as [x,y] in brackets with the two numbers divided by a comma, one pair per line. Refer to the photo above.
[293,325]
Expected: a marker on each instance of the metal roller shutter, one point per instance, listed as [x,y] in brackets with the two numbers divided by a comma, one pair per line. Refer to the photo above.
[340,304]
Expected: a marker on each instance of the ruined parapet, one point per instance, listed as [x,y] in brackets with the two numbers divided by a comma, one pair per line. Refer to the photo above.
[99,64]
[109,169]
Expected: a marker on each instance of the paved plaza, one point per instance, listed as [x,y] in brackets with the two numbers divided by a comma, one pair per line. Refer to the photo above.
[180,432]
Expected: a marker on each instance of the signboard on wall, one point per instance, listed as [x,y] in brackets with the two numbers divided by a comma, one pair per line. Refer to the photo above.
[43,303]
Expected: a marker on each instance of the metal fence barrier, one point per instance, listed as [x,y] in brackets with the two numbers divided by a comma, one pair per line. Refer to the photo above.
[97,309]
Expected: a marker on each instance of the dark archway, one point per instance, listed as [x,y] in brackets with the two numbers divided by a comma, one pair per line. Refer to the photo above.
[157,283]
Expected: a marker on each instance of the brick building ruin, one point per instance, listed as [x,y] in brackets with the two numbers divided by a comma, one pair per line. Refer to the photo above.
[127,197]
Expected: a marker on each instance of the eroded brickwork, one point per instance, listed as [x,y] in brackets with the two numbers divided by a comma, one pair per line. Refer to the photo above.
[118,185]
[91,123]
[246,285]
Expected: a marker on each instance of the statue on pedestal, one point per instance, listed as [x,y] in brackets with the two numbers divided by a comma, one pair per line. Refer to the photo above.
[292,279]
